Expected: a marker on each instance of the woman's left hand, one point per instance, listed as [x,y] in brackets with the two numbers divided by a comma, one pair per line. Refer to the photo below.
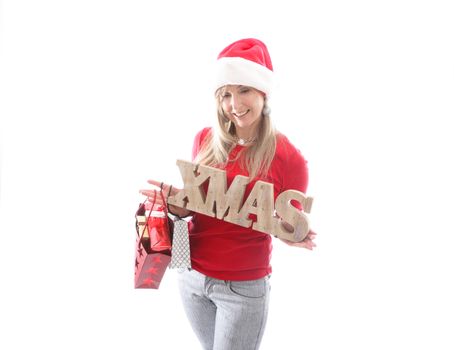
[307,242]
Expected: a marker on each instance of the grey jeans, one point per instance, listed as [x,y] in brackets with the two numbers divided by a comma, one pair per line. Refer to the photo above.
[225,315]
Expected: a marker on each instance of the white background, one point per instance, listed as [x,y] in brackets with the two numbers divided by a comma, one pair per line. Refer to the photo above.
[98,96]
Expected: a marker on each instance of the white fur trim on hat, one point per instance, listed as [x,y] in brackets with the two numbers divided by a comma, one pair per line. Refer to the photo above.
[240,71]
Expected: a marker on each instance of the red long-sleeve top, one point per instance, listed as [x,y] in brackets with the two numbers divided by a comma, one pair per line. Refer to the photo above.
[227,251]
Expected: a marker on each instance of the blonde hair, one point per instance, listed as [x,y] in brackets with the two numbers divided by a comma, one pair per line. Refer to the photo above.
[255,159]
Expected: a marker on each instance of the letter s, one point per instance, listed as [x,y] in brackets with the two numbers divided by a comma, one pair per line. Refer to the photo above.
[292,215]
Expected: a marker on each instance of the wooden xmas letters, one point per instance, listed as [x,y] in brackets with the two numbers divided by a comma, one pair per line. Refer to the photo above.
[226,203]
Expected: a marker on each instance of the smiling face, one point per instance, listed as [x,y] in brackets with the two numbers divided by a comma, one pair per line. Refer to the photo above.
[243,105]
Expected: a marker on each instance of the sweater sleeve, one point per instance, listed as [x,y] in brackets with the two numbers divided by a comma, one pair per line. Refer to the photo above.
[198,140]
[296,175]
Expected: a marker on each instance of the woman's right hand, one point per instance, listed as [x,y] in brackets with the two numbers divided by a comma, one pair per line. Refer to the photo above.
[167,191]
[307,242]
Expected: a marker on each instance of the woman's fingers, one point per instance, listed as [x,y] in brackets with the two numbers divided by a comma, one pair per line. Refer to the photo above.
[164,187]
[305,243]
[311,234]
[156,183]
[154,195]
[148,193]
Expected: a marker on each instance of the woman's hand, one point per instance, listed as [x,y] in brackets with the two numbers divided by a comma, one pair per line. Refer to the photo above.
[167,191]
[307,242]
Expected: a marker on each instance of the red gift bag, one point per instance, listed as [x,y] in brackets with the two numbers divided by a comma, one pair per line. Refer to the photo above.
[153,245]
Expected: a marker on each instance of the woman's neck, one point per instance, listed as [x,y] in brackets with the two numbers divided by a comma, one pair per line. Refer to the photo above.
[246,134]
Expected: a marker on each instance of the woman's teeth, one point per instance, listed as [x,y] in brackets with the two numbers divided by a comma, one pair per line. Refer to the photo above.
[239,115]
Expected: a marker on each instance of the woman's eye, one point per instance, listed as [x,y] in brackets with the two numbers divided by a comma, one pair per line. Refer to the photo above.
[243,91]
[225,95]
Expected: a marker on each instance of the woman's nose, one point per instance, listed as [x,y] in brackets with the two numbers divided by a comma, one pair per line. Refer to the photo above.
[235,103]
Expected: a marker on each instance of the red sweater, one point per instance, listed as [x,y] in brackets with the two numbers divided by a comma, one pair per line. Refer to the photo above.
[226,251]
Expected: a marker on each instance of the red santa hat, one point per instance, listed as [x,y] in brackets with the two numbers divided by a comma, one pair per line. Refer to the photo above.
[245,62]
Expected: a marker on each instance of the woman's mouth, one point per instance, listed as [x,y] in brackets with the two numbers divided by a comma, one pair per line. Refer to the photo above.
[240,115]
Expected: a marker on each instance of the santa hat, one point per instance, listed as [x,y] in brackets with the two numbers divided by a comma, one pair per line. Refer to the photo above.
[245,62]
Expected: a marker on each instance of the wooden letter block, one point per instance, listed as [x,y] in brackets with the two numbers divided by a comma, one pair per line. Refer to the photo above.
[225,203]
[293,216]
[222,202]
[192,197]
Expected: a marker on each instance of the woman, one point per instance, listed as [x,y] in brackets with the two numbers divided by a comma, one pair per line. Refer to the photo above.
[226,292]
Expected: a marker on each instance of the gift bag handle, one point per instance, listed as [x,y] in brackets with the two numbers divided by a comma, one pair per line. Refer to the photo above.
[164,202]
[149,213]
[151,209]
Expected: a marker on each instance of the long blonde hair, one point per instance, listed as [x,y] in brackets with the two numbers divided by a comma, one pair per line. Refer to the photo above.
[255,159]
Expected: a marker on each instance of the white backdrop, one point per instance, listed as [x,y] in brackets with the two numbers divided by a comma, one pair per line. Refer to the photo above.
[98,96]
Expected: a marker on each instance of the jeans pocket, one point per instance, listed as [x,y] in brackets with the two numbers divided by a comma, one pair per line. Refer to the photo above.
[249,289]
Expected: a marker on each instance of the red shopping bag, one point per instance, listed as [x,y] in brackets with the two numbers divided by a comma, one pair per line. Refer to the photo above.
[153,245]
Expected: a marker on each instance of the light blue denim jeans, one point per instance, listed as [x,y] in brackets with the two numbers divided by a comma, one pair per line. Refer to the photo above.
[225,315]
